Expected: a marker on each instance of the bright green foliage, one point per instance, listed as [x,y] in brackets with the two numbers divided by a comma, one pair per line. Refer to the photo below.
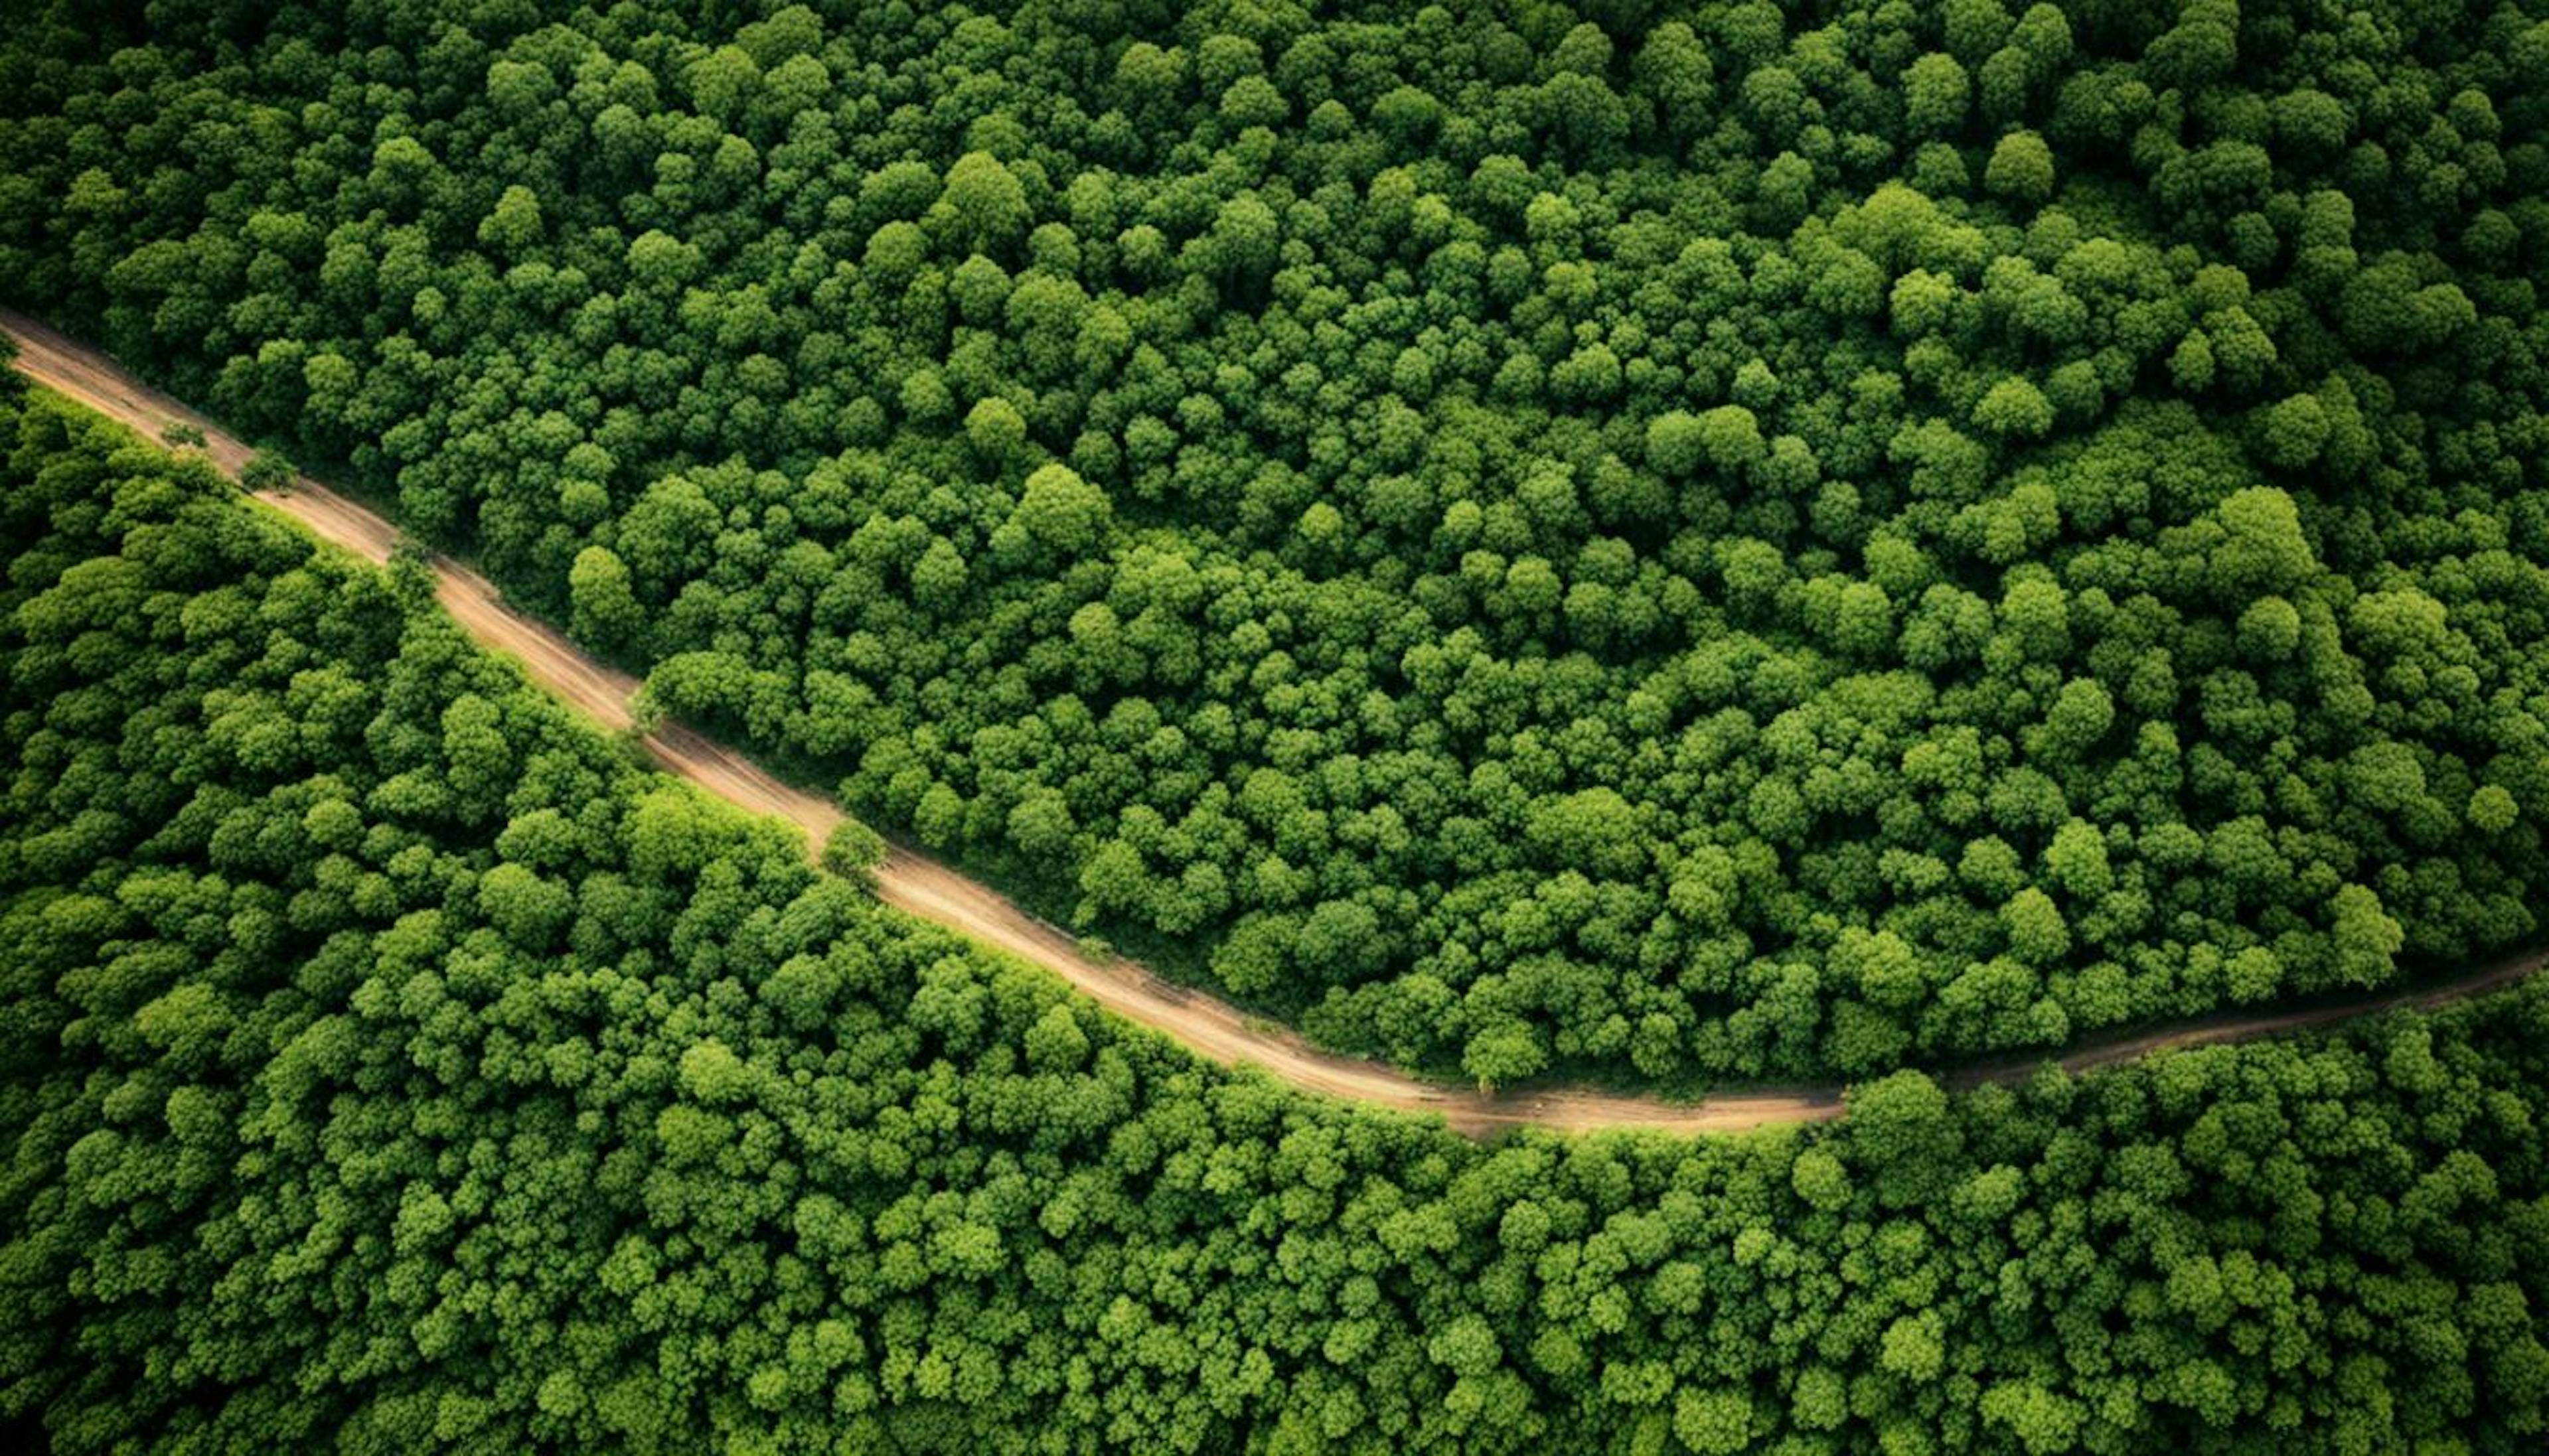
[382,1057]
[853,850]
[2020,169]
[1240,474]
[386,1064]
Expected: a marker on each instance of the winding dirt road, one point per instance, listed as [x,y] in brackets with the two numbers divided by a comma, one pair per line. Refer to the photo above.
[922,886]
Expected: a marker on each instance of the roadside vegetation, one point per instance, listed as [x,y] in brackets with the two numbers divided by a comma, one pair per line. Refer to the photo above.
[1756,542]
[389,1064]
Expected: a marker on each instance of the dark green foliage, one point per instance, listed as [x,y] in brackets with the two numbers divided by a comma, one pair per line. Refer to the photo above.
[266,471]
[388,1066]
[1248,475]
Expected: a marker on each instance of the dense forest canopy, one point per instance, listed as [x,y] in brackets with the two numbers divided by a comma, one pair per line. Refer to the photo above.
[386,1065]
[1681,542]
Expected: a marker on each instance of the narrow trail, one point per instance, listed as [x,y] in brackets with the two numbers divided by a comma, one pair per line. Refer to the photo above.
[913,882]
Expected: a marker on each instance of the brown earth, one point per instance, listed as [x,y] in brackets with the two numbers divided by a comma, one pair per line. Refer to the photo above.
[913,883]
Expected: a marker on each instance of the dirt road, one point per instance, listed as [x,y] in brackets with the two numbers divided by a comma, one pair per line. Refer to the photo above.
[913,882]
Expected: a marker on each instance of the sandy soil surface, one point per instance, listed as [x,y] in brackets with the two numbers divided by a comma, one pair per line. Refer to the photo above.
[909,882]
